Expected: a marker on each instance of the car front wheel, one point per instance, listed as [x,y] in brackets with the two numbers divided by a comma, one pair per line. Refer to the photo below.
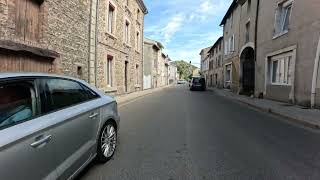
[107,142]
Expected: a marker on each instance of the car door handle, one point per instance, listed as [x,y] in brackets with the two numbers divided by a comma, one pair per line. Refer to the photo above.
[93,115]
[42,141]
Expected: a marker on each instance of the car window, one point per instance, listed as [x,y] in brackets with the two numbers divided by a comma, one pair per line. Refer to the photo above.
[17,103]
[61,93]
[196,80]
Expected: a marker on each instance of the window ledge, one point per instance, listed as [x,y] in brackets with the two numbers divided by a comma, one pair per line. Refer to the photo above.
[111,35]
[280,34]
[137,86]
[279,84]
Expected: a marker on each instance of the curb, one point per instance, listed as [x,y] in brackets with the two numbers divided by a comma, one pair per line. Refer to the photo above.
[140,96]
[274,112]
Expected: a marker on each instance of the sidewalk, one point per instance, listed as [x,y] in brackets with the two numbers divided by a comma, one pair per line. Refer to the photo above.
[132,96]
[298,114]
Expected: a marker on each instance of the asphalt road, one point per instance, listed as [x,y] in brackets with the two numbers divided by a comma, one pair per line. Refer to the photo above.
[177,134]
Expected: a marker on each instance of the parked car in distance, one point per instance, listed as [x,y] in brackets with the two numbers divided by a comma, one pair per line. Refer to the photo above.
[198,83]
[181,82]
[52,126]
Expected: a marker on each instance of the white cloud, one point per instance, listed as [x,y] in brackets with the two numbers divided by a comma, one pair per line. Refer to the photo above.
[172,27]
[206,6]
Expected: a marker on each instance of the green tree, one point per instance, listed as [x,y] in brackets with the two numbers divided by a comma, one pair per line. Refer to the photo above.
[185,69]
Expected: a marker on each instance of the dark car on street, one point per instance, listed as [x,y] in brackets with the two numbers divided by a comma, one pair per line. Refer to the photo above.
[198,83]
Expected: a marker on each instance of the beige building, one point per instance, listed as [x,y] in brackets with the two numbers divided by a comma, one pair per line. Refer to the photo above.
[239,36]
[156,64]
[152,51]
[119,65]
[216,75]
[204,65]
[288,50]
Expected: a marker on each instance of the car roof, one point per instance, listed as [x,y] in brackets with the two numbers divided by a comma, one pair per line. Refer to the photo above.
[32,74]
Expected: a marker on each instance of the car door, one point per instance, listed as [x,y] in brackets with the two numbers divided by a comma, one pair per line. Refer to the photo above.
[26,148]
[75,133]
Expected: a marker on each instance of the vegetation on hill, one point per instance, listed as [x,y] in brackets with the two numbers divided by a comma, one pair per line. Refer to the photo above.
[185,69]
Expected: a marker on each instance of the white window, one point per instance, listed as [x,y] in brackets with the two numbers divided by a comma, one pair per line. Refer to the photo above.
[231,44]
[281,70]
[231,20]
[138,14]
[282,17]
[127,32]
[226,47]
[248,6]
[228,73]
[247,35]
[111,16]
[109,71]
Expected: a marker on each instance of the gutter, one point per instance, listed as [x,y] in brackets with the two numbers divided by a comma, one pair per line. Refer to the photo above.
[256,31]
[314,77]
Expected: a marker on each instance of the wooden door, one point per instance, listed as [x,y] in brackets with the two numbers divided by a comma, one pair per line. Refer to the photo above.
[11,61]
[27,19]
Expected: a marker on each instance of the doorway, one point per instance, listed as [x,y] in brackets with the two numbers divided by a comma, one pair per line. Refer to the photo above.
[248,71]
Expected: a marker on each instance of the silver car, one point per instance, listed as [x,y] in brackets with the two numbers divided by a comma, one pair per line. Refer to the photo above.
[52,126]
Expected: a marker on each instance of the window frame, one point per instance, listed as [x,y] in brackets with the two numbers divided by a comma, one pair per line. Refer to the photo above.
[42,80]
[138,39]
[281,58]
[35,86]
[127,32]
[109,71]
[114,18]
[279,13]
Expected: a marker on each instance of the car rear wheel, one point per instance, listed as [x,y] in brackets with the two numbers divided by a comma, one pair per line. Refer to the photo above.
[107,142]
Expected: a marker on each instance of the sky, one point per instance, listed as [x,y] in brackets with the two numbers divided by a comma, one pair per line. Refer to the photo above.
[185,27]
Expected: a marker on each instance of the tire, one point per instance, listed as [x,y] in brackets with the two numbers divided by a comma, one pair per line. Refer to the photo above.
[104,155]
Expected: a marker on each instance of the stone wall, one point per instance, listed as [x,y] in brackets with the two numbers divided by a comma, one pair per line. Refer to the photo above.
[64,27]
[113,45]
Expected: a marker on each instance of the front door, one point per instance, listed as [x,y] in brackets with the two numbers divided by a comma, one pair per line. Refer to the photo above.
[26,138]
[248,76]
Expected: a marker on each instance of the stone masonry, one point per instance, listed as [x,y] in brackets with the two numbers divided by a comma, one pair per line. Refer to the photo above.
[112,45]
[63,28]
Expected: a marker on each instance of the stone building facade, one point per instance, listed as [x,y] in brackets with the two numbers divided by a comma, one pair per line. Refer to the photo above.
[45,36]
[215,74]
[173,73]
[288,50]
[204,69]
[120,46]
[151,63]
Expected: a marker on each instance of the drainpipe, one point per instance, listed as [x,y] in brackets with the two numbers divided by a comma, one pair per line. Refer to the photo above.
[314,77]
[256,42]
[256,31]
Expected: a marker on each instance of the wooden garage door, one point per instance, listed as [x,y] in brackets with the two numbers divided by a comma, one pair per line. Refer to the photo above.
[11,61]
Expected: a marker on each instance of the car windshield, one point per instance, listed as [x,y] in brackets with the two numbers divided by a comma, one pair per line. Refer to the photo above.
[160,89]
